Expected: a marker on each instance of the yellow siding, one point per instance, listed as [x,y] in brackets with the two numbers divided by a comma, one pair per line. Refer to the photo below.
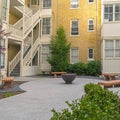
[27,2]
[12,19]
[63,14]
[12,51]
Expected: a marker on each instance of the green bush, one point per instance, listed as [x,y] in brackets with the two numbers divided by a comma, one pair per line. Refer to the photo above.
[92,88]
[96,104]
[70,68]
[78,68]
[93,68]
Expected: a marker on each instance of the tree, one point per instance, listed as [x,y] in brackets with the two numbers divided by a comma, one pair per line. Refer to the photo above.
[59,49]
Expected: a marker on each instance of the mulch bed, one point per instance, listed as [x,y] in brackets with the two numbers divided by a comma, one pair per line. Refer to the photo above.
[11,91]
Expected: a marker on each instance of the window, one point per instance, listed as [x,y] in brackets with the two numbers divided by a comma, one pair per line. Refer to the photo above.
[112,48]
[46,26]
[74,27]
[90,53]
[112,12]
[108,12]
[117,48]
[2,54]
[45,53]
[74,55]
[74,3]
[91,1]
[46,3]
[117,12]
[4,9]
[2,60]
[90,24]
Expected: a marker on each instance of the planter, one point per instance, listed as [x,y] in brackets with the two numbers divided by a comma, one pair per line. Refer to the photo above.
[68,78]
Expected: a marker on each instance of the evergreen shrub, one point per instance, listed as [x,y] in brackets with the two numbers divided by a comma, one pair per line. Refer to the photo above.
[96,104]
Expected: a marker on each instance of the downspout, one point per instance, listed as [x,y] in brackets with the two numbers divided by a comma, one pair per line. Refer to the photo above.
[96,29]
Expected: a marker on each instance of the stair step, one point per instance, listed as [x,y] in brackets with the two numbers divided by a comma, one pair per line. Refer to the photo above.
[16,70]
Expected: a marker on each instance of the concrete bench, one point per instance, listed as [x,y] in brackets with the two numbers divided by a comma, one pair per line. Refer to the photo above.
[109,76]
[7,82]
[57,73]
[110,83]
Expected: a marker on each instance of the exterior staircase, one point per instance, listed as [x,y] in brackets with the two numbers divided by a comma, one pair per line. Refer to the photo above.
[21,31]
[16,70]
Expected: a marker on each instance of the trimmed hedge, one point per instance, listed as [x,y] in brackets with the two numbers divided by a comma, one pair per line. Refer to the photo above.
[92,68]
[96,104]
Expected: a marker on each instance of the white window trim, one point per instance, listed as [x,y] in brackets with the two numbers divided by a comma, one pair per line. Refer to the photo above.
[114,48]
[71,54]
[74,7]
[50,27]
[93,25]
[46,7]
[45,53]
[89,59]
[71,27]
[107,20]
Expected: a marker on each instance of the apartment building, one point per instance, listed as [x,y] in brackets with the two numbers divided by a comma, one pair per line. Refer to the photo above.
[110,36]
[32,22]
[81,20]
[27,47]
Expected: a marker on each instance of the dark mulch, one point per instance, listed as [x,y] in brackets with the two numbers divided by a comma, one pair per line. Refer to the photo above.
[11,91]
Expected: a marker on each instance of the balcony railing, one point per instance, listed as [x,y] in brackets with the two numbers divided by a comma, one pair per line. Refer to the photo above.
[14,62]
[14,31]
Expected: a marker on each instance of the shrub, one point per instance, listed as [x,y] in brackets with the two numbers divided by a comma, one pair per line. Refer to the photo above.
[93,68]
[70,68]
[96,104]
[78,68]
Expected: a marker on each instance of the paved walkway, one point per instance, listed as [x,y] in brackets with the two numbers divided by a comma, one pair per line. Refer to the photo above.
[42,95]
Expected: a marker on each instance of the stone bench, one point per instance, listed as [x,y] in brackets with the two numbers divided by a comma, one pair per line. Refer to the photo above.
[110,83]
[57,73]
[109,76]
[7,82]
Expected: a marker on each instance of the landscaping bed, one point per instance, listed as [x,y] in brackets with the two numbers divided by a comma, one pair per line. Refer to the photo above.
[8,92]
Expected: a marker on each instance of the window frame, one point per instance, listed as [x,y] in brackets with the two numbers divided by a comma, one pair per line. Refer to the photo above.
[4,10]
[74,5]
[72,27]
[2,45]
[93,26]
[89,58]
[45,53]
[46,7]
[110,14]
[46,26]
[114,49]
[2,60]
[72,56]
